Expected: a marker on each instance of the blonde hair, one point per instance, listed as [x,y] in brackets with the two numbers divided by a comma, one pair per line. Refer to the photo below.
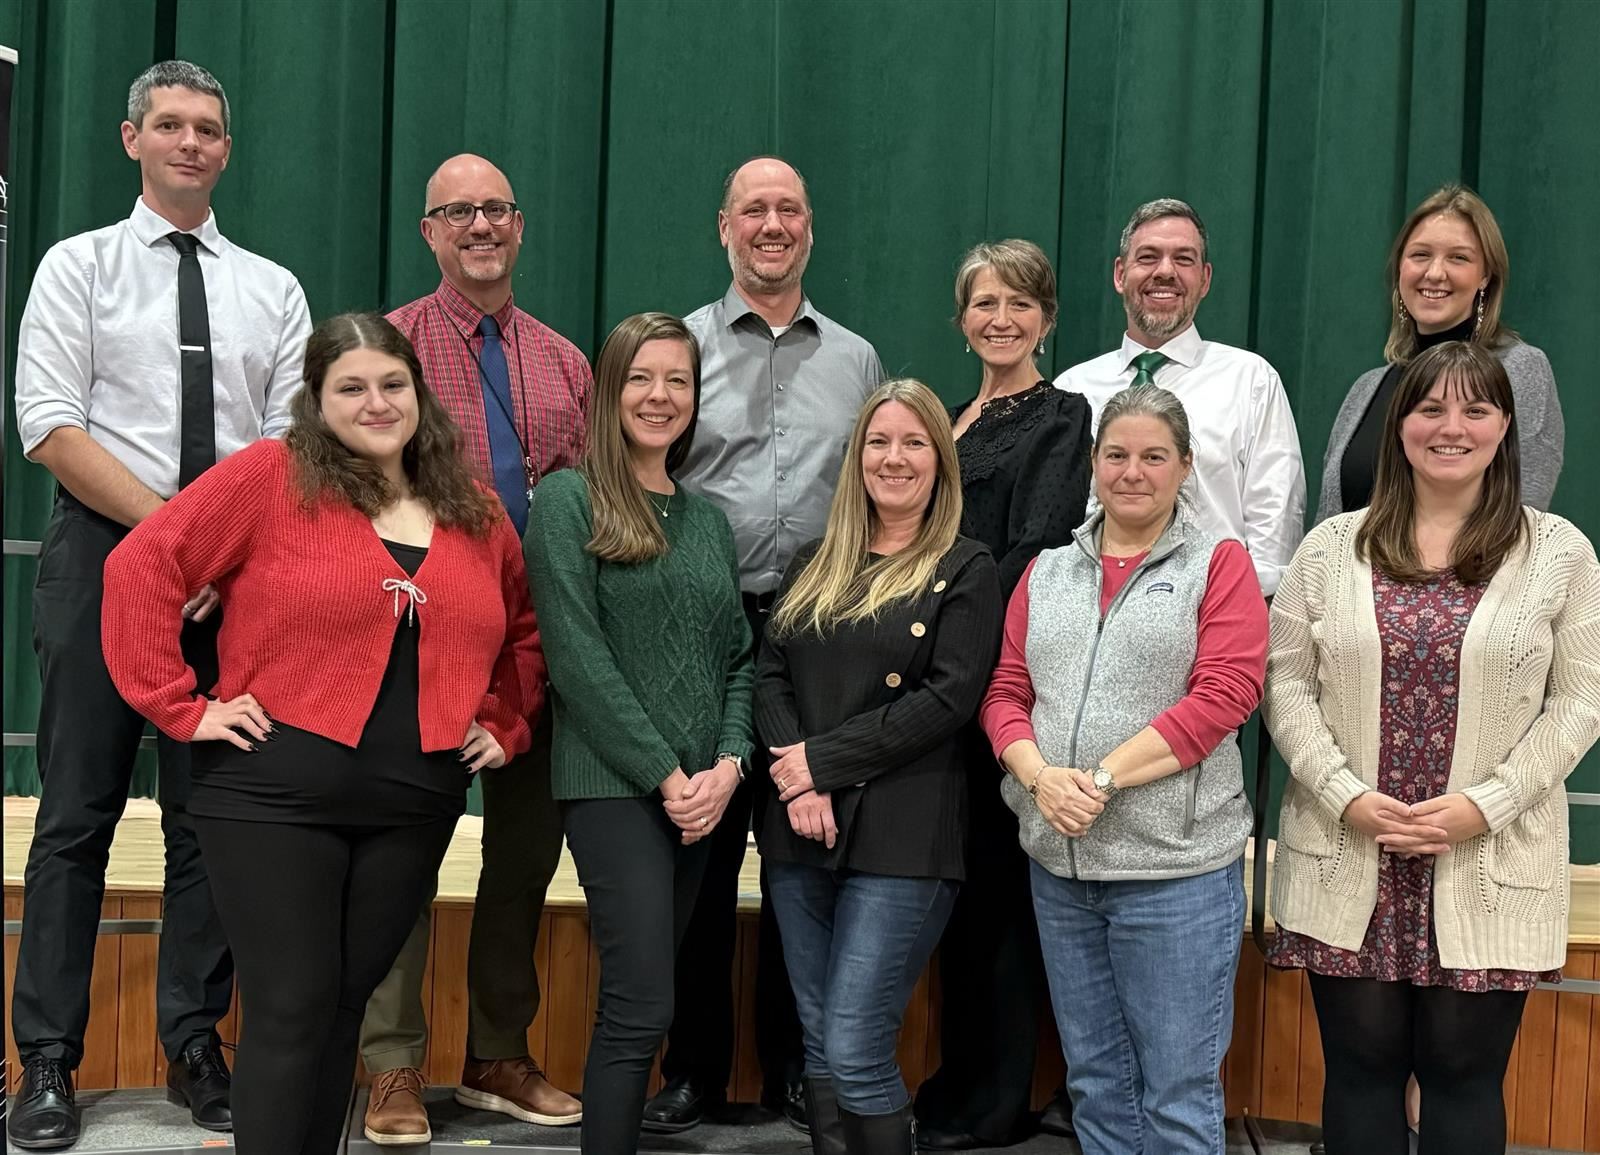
[626,529]
[1468,205]
[843,583]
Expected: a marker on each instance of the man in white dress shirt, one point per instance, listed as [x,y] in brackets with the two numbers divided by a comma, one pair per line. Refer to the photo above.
[1247,469]
[149,349]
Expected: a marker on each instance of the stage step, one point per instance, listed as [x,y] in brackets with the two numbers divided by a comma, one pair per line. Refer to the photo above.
[142,1122]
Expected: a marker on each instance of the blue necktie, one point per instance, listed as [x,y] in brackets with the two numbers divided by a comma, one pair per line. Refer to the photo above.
[505,447]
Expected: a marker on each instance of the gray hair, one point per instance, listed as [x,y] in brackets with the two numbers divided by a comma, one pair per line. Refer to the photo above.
[1157,210]
[1148,401]
[173,74]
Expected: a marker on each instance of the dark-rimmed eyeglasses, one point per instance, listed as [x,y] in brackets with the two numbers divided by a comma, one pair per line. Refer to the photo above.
[460,214]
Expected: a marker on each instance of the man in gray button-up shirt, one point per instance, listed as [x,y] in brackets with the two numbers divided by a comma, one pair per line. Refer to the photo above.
[781,385]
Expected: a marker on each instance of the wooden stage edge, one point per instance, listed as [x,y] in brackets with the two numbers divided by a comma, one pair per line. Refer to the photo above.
[1273,1070]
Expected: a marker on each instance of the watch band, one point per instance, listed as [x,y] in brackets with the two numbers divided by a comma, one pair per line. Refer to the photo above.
[738,762]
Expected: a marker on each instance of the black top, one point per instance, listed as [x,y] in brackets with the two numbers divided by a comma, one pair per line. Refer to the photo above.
[877,705]
[299,776]
[1359,470]
[1025,474]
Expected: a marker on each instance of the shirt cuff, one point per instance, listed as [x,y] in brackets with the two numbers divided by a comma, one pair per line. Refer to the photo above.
[1342,789]
[1499,807]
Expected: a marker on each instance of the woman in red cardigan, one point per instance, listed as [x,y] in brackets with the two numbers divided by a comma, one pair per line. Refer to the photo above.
[379,647]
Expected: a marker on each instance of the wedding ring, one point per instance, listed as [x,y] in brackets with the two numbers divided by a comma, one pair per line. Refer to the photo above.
[703,822]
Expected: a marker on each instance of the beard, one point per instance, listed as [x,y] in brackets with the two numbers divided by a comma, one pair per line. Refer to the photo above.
[1159,325]
[768,281]
[485,270]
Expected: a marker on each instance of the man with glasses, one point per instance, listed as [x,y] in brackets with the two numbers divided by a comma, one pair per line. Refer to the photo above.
[520,393]
[149,350]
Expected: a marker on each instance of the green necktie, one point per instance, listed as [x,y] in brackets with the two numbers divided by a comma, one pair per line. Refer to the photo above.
[1147,363]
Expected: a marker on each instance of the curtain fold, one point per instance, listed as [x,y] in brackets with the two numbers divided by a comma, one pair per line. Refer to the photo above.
[1302,130]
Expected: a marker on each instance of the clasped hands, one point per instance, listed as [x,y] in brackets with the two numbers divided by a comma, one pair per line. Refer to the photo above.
[810,812]
[1067,798]
[696,804]
[1430,827]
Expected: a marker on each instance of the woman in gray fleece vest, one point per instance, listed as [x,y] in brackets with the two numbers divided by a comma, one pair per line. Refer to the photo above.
[1130,658]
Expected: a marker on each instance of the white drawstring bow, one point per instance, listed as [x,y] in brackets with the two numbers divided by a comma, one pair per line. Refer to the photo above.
[414,596]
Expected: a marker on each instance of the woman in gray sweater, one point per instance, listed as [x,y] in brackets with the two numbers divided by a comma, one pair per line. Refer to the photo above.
[1447,276]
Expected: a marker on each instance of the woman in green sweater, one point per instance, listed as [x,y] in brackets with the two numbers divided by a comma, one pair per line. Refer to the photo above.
[637,586]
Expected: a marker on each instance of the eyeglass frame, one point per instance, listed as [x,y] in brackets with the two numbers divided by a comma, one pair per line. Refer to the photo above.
[441,211]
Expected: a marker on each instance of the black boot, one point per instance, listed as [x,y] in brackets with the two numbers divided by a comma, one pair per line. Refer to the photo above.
[827,1129]
[894,1134]
[199,1080]
[45,1114]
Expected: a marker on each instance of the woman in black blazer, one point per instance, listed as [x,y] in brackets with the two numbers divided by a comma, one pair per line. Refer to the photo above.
[878,652]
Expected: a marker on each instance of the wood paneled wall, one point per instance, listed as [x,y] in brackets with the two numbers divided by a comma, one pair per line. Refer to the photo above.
[1273,1070]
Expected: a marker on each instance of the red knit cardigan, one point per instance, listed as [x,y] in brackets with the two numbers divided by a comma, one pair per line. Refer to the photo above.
[310,599]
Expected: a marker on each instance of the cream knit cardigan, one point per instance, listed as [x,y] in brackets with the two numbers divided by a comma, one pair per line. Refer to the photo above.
[1528,709]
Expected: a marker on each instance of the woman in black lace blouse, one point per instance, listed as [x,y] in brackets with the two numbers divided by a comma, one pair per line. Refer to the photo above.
[1024,450]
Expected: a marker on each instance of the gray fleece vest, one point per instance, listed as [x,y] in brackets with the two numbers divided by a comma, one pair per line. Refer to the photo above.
[1098,683]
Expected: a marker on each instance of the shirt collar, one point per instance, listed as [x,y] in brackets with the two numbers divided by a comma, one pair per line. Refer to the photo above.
[735,308]
[1184,349]
[151,228]
[465,315]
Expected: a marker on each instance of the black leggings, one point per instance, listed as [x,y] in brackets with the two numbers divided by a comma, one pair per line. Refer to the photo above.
[640,884]
[1376,1033]
[315,916]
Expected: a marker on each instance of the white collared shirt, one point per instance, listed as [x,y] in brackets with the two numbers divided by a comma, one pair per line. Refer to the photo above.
[1248,478]
[98,348]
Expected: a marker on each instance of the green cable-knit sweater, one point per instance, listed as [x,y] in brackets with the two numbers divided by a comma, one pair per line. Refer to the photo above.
[650,666]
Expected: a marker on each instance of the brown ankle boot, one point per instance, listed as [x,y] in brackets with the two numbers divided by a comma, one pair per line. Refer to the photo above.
[395,1114]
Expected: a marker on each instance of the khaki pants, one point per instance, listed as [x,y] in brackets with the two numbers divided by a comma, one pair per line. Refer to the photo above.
[521,848]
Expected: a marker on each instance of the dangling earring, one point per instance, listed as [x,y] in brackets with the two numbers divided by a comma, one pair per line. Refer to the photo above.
[1400,309]
[1478,328]
[1041,346]
[967,348]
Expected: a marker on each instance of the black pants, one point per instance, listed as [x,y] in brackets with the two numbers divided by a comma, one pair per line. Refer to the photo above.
[316,915]
[1374,1034]
[87,739]
[992,980]
[700,1044]
[640,882]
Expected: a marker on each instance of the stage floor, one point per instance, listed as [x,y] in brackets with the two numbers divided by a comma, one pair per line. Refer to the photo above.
[141,1122]
[136,858]
[136,866]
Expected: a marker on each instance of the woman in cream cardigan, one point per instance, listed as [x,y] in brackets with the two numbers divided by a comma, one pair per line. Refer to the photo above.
[1430,685]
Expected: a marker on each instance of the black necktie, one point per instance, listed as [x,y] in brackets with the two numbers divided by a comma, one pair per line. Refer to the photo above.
[197,447]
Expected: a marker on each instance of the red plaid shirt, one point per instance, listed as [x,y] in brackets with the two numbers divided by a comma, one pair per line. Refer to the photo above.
[550,379]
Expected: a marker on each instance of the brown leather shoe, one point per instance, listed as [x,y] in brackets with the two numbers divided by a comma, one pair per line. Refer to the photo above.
[516,1087]
[395,1114]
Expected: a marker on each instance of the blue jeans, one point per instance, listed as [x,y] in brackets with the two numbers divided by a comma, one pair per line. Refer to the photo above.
[1141,980]
[855,945]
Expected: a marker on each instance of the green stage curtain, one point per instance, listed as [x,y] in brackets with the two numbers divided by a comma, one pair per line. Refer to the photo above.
[1303,130]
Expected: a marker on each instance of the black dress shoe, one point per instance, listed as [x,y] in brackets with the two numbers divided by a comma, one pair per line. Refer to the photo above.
[681,1104]
[931,1138]
[45,1114]
[789,1100]
[1056,1119]
[199,1079]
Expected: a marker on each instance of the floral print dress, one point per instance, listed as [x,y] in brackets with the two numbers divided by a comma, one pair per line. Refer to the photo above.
[1420,628]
